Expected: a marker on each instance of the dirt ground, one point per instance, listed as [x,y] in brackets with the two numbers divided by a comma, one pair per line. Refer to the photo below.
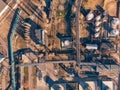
[110,7]
[91,4]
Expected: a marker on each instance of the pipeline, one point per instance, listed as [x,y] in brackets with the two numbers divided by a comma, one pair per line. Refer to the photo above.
[13,27]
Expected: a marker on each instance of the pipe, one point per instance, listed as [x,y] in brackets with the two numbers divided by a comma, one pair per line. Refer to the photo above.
[13,27]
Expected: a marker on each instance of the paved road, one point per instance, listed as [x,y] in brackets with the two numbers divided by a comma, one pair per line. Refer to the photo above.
[22,78]
[78,30]
[4,80]
[30,78]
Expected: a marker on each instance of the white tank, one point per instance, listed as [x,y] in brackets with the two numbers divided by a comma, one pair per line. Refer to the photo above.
[97,29]
[67,43]
[97,34]
[90,16]
[114,32]
[98,23]
[115,22]
[98,18]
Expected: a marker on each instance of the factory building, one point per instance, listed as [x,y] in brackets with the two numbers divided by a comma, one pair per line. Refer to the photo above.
[41,35]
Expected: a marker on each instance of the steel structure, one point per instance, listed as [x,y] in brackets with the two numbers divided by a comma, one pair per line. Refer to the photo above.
[13,27]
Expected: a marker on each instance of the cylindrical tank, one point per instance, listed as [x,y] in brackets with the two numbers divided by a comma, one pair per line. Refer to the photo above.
[97,18]
[67,42]
[97,34]
[114,32]
[97,29]
[90,16]
[98,23]
[115,22]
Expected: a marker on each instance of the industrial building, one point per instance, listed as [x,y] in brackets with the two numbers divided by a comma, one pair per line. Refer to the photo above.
[48,51]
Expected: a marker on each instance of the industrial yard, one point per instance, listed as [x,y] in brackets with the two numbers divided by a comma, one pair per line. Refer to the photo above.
[59,44]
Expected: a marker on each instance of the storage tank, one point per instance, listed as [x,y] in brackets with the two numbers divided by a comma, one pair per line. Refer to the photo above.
[97,34]
[115,22]
[97,29]
[90,16]
[114,32]
[98,23]
[97,18]
[67,42]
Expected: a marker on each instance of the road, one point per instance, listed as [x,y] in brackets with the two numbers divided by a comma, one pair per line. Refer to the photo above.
[21,78]
[4,80]
[47,62]
[78,30]
[30,78]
